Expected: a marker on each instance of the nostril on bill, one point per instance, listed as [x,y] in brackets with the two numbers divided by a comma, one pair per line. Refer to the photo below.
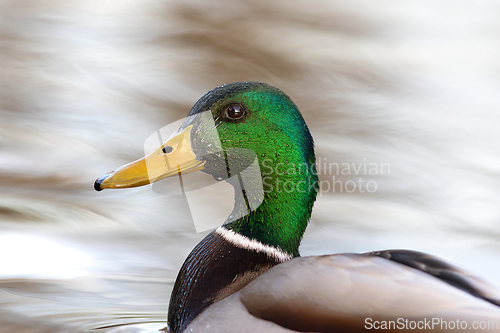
[167,149]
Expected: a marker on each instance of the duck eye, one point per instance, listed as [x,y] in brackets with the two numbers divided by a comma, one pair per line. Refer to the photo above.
[235,112]
[167,149]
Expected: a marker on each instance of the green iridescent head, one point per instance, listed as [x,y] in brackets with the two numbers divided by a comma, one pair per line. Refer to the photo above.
[256,121]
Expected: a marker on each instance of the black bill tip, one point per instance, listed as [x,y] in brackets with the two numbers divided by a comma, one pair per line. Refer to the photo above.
[97,184]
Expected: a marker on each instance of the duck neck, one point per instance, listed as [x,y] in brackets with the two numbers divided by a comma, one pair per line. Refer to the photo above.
[274,207]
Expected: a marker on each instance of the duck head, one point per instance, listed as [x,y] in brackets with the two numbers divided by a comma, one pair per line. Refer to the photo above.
[229,130]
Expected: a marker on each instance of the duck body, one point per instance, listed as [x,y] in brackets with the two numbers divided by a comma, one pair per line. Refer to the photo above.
[349,293]
[248,271]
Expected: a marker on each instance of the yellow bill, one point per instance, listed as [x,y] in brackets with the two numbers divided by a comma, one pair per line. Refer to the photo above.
[174,157]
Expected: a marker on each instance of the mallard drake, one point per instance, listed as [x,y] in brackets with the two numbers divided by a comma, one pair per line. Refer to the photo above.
[248,276]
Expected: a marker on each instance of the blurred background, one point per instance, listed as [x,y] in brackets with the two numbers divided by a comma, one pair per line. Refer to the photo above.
[414,85]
